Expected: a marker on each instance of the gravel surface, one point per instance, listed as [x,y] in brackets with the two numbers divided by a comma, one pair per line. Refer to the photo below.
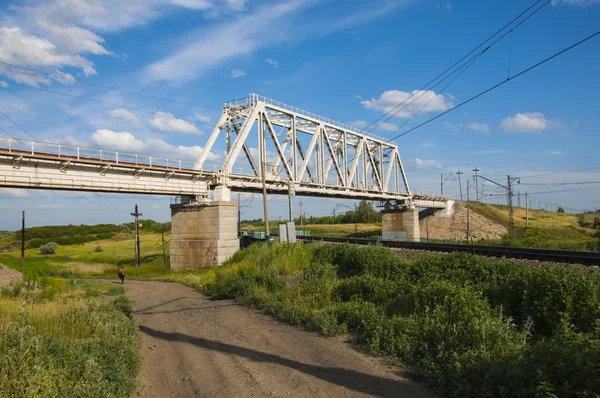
[193,346]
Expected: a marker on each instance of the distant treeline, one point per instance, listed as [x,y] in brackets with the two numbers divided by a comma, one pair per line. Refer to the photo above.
[77,234]
[365,213]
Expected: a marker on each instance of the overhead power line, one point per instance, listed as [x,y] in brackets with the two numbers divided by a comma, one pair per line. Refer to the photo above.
[110,88]
[499,84]
[460,60]
[109,104]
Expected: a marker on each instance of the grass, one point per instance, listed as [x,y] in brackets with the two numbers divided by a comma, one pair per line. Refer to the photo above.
[469,326]
[335,230]
[550,230]
[82,260]
[67,338]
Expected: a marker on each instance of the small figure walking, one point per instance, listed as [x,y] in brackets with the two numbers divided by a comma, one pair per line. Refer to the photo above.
[122,274]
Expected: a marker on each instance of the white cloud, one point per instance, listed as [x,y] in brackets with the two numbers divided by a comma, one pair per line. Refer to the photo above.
[273,63]
[166,122]
[359,124]
[554,152]
[453,127]
[417,164]
[235,73]
[575,2]
[156,206]
[203,118]
[124,114]
[3,84]
[385,126]
[20,48]
[428,144]
[14,192]
[482,128]
[534,122]
[266,26]
[446,5]
[411,103]
[124,141]
[49,207]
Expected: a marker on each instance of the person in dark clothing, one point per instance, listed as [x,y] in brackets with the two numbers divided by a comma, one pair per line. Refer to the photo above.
[122,274]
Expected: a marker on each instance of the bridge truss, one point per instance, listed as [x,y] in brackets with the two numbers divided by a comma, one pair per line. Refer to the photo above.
[298,152]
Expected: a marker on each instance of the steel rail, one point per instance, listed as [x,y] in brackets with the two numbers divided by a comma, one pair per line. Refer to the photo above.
[560,256]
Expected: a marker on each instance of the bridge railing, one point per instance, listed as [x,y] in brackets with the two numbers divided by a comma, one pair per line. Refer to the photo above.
[70,152]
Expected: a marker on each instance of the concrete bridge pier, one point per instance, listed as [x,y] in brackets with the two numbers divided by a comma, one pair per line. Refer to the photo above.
[204,234]
[401,224]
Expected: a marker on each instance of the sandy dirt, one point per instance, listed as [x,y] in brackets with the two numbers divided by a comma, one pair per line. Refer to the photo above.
[9,276]
[193,346]
[455,226]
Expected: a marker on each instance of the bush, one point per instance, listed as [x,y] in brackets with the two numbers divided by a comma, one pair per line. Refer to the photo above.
[98,249]
[49,248]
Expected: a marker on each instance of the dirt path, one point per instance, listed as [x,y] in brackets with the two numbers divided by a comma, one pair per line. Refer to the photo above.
[193,346]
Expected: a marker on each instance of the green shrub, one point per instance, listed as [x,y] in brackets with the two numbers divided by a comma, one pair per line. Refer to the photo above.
[98,249]
[49,248]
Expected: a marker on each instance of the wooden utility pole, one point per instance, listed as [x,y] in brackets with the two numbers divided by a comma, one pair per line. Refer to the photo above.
[458,173]
[23,242]
[137,214]
[468,188]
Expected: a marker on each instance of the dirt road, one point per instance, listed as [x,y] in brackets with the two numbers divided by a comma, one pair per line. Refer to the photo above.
[193,346]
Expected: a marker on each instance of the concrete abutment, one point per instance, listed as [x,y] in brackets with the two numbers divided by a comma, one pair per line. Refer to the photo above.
[203,234]
[401,224]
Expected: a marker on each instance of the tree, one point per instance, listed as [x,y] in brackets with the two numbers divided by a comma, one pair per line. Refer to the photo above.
[365,213]
[560,210]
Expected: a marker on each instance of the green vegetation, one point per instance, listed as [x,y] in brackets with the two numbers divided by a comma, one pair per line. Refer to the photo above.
[550,230]
[49,248]
[469,326]
[66,338]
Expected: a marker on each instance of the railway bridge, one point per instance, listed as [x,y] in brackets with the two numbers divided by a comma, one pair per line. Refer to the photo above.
[267,147]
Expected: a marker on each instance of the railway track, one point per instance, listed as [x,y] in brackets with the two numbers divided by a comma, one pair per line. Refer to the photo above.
[560,256]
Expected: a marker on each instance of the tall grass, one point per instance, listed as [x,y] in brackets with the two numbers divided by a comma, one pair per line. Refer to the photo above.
[469,326]
[66,338]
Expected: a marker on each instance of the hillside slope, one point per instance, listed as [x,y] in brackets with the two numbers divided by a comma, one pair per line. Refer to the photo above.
[455,227]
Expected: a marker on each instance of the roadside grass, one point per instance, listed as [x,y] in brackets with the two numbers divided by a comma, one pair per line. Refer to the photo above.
[469,326]
[67,338]
[335,230]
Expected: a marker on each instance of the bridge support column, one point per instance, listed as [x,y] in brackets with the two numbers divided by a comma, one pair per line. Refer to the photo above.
[203,234]
[401,224]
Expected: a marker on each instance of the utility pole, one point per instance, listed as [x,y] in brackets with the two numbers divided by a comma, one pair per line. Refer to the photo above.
[442,184]
[476,170]
[519,199]
[263,170]
[468,225]
[458,173]
[333,216]
[526,209]
[511,219]
[290,202]
[355,220]
[162,235]
[239,220]
[301,215]
[137,214]
[468,189]
[23,242]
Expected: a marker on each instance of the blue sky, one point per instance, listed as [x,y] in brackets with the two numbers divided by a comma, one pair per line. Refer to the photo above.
[347,60]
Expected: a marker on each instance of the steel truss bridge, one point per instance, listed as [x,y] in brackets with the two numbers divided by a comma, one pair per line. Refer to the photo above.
[289,150]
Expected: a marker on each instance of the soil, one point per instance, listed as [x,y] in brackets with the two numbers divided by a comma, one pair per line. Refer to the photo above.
[9,276]
[194,346]
[455,226]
